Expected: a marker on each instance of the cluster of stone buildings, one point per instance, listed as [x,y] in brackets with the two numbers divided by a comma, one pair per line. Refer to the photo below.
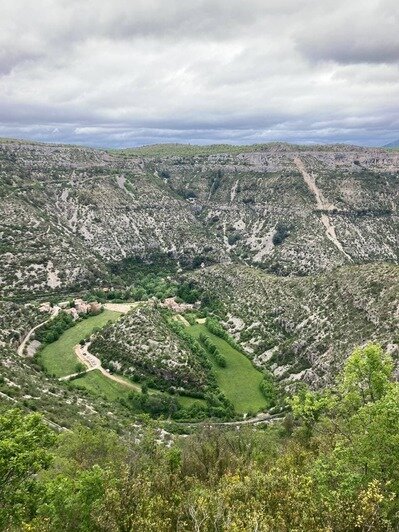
[78,307]
[171,304]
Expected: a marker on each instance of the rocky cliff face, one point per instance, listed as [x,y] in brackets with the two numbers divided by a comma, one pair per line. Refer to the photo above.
[66,212]
[295,210]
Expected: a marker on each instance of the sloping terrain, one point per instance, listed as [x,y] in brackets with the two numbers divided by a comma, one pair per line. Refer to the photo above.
[394,144]
[68,212]
[292,209]
[15,321]
[238,379]
[303,328]
[298,245]
[24,383]
[142,346]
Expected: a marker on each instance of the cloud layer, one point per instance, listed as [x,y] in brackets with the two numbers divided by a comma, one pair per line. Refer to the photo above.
[125,73]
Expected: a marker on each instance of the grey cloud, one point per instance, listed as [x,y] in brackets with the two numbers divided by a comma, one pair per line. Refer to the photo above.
[348,49]
[360,32]
[125,73]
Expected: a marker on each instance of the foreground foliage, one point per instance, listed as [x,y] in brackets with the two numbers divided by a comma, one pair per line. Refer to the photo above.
[333,465]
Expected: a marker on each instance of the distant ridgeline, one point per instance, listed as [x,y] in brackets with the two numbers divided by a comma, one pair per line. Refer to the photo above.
[74,217]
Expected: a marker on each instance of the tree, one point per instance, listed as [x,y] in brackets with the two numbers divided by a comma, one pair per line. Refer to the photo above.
[355,429]
[25,441]
[80,367]
[310,406]
[367,375]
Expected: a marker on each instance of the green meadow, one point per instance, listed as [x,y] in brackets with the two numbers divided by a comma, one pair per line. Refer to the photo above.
[59,357]
[239,380]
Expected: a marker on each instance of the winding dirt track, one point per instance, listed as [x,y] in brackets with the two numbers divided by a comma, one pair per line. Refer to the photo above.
[260,419]
[21,347]
[92,363]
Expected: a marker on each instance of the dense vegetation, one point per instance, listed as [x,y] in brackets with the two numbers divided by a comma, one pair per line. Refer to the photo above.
[145,347]
[332,465]
[211,348]
[53,329]
[142,278]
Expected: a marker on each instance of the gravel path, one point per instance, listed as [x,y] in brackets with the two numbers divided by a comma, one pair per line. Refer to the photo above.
[92,363]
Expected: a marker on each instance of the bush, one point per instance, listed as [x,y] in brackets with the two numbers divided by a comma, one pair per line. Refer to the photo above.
[269,389]
[282,231]
[80,368]
[211,347]
[215,328]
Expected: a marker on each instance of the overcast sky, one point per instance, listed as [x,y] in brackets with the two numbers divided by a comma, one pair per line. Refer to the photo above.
[132,72]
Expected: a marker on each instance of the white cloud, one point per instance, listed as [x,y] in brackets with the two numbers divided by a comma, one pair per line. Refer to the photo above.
[124,73]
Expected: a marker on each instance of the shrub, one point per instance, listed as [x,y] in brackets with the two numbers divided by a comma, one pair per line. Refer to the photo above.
[282,231]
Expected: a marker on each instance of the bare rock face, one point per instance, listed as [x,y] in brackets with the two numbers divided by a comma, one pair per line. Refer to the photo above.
[67,212]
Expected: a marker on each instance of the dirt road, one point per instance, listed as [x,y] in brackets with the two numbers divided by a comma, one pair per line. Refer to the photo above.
[21,348]
[92,363]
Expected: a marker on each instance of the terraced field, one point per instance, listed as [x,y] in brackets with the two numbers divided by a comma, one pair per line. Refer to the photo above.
[239,380]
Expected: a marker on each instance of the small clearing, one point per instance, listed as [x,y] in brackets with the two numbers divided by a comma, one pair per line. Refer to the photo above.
[182,319]
[121,307]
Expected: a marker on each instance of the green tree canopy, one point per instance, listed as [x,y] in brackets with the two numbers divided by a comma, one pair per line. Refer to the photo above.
[25,442]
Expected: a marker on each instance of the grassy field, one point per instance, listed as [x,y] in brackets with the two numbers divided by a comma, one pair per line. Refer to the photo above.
[186,402]
[96,383]
[239,380]
[58,357]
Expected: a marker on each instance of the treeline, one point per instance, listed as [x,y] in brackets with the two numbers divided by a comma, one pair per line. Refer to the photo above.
[268,385]
[269,389]
[213,350]
[331,465]
[217,404]
[215,328]
[53,329]
[158,405]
